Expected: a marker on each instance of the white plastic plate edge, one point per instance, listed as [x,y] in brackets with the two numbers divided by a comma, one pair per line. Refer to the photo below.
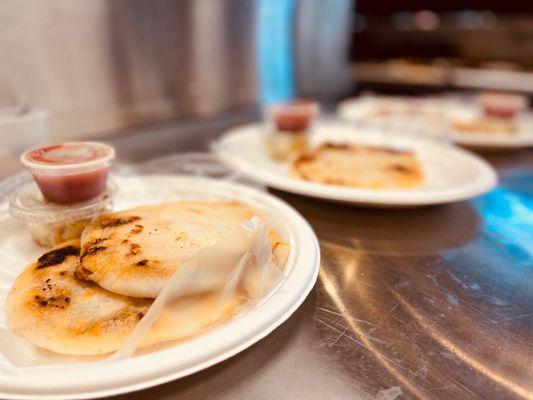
[90,380]
[486,176]
[483,140]
[494,142]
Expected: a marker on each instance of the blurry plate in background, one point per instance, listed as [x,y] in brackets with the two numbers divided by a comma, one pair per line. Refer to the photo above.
[82,380]
[411,115]
[433,117]
[378,106]
[464,111]
[451,174]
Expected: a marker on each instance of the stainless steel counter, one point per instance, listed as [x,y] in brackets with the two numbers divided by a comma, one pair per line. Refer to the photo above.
[433,302]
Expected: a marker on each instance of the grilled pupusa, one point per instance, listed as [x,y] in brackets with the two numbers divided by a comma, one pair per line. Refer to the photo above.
[54,310]
[359,166]
[135,252]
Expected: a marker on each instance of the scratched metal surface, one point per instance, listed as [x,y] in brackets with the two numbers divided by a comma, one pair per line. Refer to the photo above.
[430,303]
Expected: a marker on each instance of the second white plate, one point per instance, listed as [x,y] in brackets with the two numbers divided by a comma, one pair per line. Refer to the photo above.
[451,174]
[360,110]
[486,140]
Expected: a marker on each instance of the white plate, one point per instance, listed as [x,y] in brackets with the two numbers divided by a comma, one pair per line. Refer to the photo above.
[486,140]
[364,106]
[452,174]
[428,121]
[359,110]
[96,379]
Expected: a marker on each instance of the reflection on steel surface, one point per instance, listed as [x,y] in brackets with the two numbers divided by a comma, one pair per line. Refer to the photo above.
[483,366]
[359,331]
[428,330]
[451,323]
[429,303]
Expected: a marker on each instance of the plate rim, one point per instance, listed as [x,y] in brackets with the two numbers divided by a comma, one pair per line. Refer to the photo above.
[306,263]
[484,141]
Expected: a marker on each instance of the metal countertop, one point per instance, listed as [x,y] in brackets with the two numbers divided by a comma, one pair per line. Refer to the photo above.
[434,302]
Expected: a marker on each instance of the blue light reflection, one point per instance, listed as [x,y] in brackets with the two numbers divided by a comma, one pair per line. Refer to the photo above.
[275,50]
[508,217]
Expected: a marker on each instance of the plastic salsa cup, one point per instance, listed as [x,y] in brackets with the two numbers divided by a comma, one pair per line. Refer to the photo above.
[503,105]
[288,127]
[70,172]
[294,117]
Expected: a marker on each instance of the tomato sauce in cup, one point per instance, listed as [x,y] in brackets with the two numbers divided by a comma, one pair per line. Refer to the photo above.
[288,127]
[295,116]
[70,172]
[503,105]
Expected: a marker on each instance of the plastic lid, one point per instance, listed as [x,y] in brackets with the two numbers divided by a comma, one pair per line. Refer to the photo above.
[28,204]
[68,158]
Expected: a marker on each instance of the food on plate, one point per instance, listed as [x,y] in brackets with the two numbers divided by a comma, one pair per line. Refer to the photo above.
[380,111]
[390,110]
[70,172]
[486,125]
[53,309]
[503,105]
[499,116]
[55,304]
[135,252]
[359,166]
[51,224]
[53,234]
[371,106]
[288,127]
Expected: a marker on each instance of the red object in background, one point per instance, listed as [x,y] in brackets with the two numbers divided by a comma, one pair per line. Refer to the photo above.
[292,122]
[295,116]
[505,113]
[503,105]
[70,172]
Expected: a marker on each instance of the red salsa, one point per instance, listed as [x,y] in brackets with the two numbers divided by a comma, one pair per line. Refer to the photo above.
[295,117]
[501,112]
[65,189]
[70,172]
[503,105]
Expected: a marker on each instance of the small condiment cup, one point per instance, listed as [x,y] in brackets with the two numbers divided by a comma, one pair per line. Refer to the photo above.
[51,224]
[70,172]
[288,127]
[503,105]
[294,117]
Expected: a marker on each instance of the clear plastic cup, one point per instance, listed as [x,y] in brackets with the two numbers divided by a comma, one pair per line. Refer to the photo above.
[51,224]
[70,172]
[288,127]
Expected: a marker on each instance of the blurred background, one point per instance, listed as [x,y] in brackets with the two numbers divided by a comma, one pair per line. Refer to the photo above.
[164,74]
[406,46]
